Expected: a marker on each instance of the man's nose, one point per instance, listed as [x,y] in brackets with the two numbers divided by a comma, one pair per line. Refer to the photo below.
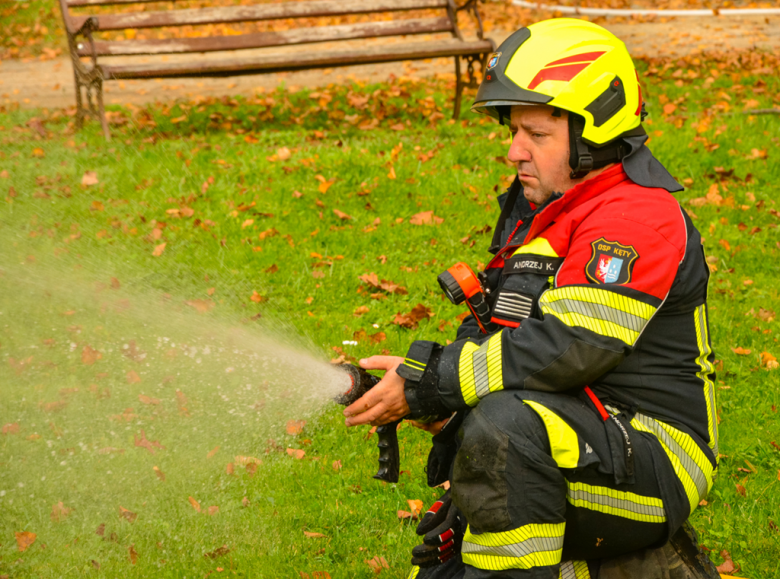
[518,150]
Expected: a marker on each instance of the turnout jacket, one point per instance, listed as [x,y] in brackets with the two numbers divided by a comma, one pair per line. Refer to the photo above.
[603,286]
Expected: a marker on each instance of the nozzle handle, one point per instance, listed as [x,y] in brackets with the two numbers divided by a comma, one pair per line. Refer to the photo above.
[389,456]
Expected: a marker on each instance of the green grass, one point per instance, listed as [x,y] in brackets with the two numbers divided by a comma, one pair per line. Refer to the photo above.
[61,238]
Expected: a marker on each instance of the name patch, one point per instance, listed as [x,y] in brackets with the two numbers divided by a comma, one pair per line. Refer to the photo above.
[610,262]
[532,264]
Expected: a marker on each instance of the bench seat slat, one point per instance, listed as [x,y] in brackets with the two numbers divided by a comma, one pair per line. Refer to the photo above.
[266,39]
[224,14]
[283,62]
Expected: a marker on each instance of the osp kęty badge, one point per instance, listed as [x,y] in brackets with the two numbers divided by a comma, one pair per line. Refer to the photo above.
[611,262]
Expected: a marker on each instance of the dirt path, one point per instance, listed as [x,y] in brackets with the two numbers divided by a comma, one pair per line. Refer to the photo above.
[50,84]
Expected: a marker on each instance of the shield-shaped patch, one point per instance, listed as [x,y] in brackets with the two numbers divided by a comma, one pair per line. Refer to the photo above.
[611,262]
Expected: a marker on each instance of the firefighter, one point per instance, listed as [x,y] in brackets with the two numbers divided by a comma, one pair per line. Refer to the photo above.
[583,422]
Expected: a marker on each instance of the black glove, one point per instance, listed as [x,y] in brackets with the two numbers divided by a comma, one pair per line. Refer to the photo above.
[443,529]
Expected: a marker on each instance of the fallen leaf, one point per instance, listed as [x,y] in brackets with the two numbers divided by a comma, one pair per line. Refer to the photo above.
[416,506]
[200,306]
[160,474]
[148,399]
[283,153]
[425,217]
[212,452]
[741,351]
[133,554]
[195,504]
[315,535]
[213,510]
[127,514]
[149,445]
[377,564]
[158,250]
[11,428]
[89,178]
[246,460]
[256,297]
[38,152]
[728,565]
[132,377]
[410,320]
[24,540]
[741,490]
[342,215]
[296,453]
[336,465]
[59,512]
[219,552]
[295,426]
[404,514]
[90,356]
[768,361]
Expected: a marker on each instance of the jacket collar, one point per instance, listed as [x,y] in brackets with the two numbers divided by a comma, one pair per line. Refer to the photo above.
[561,204]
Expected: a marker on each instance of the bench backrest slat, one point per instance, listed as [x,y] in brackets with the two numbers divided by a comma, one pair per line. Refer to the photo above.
[266,39]
[225,14]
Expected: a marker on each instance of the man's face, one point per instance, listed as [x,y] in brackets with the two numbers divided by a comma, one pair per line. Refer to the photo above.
[540,151]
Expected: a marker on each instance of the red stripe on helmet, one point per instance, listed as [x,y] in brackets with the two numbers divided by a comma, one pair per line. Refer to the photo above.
[565,73]
[584,57]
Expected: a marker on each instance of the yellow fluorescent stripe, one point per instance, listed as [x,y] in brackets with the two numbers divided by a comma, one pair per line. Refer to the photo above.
[601,327]
[539,246]
[614,502]
[414,572]
[695,492]
[494,364]
[414,364]
[601,311]
[529,546]
[466,374]
[702,340]
[563,440]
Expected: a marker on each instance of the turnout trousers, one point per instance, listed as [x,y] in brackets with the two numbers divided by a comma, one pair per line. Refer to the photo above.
[547,481]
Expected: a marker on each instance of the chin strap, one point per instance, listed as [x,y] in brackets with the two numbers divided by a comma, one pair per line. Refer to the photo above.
[584,158]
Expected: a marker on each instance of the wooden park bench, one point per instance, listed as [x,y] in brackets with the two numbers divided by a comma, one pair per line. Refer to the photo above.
[238,59]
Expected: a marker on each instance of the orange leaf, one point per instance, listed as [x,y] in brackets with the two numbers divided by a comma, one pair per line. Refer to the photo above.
[158,250]
[247,223]
[201,306]
[147,399]
[741,490]
[295,426]
[416,506]
[195,504]
[133,554]
[24,540]
[256,297]
[133,377]
[213,510]
[296,453]
[59,512]
[391,174]
[89,178]
[728,565]
[404,515]
[425,217]
[315,535]
[669,108]
[342,215]
[212,452]
[90,356]
[741,351]
[768,360]
[127,514]
[336,465]
[160,474]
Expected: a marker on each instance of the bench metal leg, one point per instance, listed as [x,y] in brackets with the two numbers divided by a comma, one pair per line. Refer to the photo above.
[474,66]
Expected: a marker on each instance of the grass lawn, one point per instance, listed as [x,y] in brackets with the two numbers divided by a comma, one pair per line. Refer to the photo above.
[171,300]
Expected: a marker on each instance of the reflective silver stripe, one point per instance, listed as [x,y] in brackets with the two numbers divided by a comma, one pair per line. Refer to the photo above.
[567,571]
[616,503]
[513,305]
[521,549]
[599,312]
[694,471]
[481,381]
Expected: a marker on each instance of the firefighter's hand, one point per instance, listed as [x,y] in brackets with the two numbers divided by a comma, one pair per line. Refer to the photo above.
[433,427]
[386,401]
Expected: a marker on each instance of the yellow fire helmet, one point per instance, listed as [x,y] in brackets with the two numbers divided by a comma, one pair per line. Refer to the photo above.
[576,66]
